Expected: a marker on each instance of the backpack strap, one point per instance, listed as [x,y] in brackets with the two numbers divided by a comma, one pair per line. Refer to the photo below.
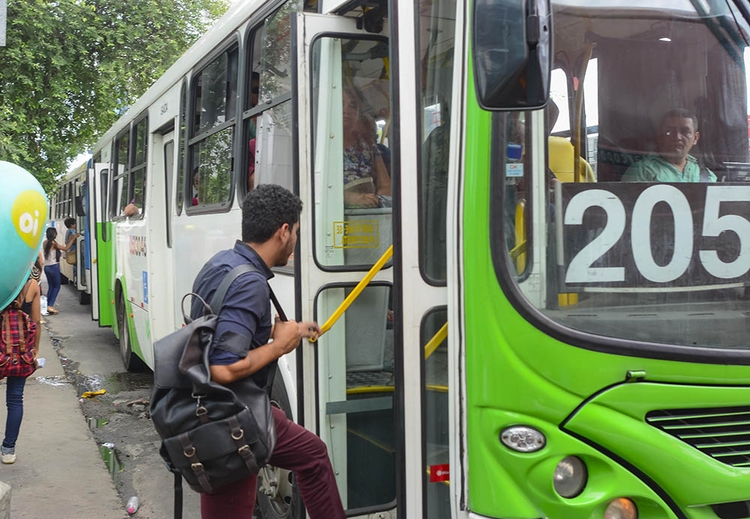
[7,337]
[218,299]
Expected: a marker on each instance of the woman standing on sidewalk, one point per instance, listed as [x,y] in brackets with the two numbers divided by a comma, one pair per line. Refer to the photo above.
[52,254]
[28,302]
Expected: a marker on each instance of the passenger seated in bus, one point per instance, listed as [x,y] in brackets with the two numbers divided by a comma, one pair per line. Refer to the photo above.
[196,183]
[365,176]
[677,134]
[131,209]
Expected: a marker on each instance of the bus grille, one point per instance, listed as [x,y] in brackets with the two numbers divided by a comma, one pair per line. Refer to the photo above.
[722,433]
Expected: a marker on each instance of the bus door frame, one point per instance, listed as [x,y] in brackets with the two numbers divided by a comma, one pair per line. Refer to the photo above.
[307,28]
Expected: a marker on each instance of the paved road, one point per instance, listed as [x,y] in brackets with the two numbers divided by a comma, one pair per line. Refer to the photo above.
[91,358]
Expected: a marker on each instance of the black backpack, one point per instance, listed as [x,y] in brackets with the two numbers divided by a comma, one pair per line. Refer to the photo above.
[212,434]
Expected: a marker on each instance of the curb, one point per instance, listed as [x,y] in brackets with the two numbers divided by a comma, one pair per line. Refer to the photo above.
[4,500]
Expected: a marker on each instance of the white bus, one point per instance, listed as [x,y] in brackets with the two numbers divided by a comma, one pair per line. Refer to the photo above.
[70,202]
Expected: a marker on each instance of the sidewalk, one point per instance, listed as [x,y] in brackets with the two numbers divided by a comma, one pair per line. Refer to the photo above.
[59,472]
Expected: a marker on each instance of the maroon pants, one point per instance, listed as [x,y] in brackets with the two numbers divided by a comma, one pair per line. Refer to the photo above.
[298,450]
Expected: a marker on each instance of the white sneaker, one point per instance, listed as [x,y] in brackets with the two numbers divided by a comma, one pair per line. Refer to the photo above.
[9,458]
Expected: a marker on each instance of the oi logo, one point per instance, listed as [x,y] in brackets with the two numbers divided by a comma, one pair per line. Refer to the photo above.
[28,214]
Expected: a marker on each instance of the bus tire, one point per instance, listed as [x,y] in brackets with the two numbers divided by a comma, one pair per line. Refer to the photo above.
[130,360]
[277,495]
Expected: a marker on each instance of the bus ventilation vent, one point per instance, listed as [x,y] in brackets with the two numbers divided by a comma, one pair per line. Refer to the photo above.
[722,433]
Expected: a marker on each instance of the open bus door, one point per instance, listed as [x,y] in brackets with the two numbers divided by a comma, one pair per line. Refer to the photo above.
[91,265]
[99,244]
[82,253]
[348,391]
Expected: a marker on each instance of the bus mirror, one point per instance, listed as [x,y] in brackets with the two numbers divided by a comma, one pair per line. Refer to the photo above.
[80,210]
[512,53]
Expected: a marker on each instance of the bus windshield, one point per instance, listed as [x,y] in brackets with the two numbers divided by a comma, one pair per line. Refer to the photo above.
[624,205]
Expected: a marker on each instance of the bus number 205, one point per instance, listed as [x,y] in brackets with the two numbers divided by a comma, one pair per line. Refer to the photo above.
[653,235]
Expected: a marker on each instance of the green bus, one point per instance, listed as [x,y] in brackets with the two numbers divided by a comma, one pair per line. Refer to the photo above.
[556,318]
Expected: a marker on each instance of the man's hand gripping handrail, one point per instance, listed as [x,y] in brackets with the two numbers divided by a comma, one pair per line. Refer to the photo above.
[355,293]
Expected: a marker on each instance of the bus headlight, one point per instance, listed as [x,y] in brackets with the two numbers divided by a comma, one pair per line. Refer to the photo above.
[621,508]
[522,438]
[570,477]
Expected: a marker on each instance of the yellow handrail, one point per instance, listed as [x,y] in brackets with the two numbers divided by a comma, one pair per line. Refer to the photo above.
[436,341]
[520,248]
[354,293]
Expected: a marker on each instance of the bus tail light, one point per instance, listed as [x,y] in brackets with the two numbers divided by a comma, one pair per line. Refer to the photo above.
[621,508]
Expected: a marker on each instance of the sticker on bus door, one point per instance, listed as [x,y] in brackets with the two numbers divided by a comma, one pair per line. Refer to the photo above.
[634,235]
[356,234]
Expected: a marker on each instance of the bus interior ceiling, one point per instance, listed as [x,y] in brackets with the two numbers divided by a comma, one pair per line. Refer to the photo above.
[651,60]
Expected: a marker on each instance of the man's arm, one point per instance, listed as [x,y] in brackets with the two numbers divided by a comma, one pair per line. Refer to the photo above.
[286,337]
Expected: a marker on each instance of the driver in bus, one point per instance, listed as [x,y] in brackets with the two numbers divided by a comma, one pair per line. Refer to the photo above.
[678,133]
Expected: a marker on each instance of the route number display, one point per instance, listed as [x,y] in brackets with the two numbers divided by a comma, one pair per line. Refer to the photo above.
[639,235]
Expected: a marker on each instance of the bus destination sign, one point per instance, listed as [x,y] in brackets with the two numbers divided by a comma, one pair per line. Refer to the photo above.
[645,235]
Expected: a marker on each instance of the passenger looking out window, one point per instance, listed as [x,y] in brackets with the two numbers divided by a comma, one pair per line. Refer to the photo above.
[677,134]
[366,180]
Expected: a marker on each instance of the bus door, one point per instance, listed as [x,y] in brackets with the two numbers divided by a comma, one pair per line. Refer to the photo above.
[349,389]
[82,257]
[97,199]
[159,281]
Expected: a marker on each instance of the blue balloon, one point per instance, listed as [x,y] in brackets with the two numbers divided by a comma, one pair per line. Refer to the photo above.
[23,217]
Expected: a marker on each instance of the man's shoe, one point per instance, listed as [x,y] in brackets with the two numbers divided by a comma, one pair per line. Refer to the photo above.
[8,457]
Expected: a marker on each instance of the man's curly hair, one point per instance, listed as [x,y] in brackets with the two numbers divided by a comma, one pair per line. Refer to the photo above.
[265,209]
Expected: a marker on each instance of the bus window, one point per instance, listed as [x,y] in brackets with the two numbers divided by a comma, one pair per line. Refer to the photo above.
[435,429]
[351,120]
[213,132]
[630,242]
[180,195]
[120,187]
[558,94]
[168,182]
[437,82]
[357,366]
[591,111]
[138,171]
[268,122]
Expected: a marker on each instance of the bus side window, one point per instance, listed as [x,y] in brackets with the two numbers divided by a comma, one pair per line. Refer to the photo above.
[119,194]
[211,157]
[268,120]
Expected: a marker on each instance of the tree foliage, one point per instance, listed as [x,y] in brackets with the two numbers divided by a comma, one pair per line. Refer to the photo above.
[71,67]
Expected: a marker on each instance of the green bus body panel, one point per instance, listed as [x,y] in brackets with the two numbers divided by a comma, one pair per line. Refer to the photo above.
[691,477]
[516,374]
[105,273]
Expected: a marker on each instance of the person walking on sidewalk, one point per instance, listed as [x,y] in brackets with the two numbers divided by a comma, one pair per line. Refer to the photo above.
[241,348]
[28,302]
[52,251]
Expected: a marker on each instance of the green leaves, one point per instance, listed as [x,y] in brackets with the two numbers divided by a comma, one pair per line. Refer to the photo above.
[71,66]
